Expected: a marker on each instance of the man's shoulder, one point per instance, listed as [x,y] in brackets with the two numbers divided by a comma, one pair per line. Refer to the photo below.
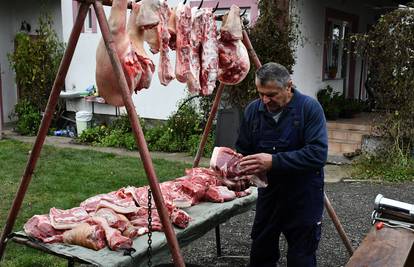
[252,106]
[308,101]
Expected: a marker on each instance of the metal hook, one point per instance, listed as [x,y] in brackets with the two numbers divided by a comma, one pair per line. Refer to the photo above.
[185,1]
[216,7]
[244,12]
[201,3]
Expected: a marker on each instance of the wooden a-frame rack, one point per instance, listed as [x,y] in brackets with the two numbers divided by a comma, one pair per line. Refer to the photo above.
[136,128]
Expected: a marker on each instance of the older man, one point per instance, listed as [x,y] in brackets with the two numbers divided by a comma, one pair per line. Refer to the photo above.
[283,134]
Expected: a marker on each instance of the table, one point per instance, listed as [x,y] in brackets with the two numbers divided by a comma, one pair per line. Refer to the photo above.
[205,216]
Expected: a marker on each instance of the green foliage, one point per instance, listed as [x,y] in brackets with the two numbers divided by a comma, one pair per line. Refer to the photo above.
[335,105]
[390,166]
[93,135]
[28,116]
[181,132]
[389,49]
[274,38]
[35,61]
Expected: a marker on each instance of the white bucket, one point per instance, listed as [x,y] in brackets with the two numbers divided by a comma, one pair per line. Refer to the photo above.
[83,121]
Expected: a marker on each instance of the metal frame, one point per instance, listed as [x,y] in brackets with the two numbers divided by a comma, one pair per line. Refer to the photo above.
[136,127]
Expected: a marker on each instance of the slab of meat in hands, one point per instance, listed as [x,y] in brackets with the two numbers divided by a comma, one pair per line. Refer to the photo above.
[234,61]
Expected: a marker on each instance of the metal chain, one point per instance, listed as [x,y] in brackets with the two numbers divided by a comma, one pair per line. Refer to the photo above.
[149,249]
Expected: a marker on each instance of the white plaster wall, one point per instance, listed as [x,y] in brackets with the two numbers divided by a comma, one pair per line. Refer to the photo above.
[157,102]
[12,13]
[307,72]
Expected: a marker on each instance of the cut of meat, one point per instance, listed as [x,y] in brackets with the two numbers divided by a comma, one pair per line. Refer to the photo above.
[113,236]
[165,69]
[183,46]
[219,194]
[89,235]
[244,193]
[148,14]
[39,227]
[209,54]
[180,218]
[172,29]
[116,200]
[67,219]
[114,220]
[225,161]
[231,29]
[139,219]
[136,31]
[234,61]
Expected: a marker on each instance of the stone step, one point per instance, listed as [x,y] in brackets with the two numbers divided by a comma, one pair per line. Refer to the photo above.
[349,126]
[338,146]
[346,135]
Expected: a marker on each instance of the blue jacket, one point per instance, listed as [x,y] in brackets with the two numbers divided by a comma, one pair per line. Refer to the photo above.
[299,145]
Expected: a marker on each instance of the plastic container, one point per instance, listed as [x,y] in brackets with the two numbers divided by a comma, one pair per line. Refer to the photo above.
[83,121]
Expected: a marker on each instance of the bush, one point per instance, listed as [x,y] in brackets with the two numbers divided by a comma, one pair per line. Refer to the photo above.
[35,61]
[28,117]
[94,135]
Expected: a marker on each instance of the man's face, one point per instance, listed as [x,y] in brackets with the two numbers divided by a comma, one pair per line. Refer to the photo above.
[273,96]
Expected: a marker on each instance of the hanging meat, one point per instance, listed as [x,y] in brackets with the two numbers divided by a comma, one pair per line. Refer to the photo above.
[106,80]
[172,29]
[183,46]
[165,69]
[234,61]
[143,17]
[209,54]
[200,70]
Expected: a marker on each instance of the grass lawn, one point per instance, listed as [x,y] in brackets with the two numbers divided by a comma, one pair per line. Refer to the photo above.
[63,178]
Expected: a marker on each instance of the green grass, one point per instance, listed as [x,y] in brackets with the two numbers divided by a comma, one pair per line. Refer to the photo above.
[384,167]
[63,178]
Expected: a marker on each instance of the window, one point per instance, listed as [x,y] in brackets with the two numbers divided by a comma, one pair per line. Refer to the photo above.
[336,55]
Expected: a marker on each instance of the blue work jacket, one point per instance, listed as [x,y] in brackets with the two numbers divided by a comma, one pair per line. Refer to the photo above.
[298,143]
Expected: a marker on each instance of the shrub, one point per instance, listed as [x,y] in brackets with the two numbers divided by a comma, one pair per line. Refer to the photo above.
[35,61]
[28,116]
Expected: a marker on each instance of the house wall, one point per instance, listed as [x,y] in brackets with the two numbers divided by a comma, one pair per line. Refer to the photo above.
[12,13]
[307,72]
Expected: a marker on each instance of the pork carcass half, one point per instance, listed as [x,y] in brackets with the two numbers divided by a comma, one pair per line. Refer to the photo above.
[234,61]
[183,42]
[106,80]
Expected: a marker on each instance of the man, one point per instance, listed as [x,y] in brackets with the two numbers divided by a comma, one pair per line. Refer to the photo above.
[283,134]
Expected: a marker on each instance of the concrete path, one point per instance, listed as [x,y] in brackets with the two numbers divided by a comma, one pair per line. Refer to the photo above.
[333,172]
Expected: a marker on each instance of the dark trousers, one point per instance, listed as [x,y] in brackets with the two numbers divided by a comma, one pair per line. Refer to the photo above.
[271,221]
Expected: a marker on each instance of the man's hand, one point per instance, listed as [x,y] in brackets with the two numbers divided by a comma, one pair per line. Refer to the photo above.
[256,164]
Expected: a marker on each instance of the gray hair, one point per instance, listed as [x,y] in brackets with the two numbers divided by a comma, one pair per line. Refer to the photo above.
[273,72]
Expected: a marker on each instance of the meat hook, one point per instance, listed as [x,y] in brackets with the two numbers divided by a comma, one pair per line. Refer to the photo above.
[244,12]
[185,1]
[216,7]
[201,3]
